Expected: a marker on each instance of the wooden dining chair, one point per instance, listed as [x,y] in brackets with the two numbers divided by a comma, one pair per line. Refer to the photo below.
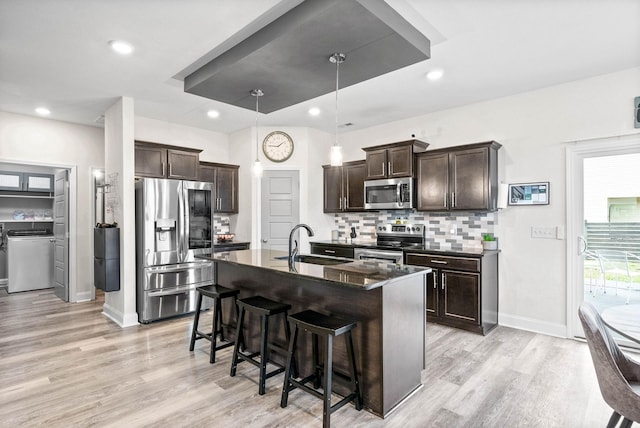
[618,376]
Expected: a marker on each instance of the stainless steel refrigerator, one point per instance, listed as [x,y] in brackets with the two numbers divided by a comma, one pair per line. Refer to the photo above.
[174,224]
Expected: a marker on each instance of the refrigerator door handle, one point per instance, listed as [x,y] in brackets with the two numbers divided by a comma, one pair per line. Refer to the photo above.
[182,219]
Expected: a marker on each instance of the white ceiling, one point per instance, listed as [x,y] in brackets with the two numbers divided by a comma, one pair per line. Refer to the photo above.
[55,53]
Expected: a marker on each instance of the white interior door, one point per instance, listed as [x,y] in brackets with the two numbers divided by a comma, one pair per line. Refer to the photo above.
[576,237]
[280,207]
[61,235]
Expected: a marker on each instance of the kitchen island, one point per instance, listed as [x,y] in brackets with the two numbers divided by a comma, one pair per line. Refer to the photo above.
[386,300]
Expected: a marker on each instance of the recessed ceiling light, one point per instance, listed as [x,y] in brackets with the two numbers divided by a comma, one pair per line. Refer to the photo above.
[435,74]
[213,114]
[43,111]
[314,111]
[121,47]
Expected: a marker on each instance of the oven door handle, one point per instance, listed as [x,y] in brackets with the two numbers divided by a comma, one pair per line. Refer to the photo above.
[392,256]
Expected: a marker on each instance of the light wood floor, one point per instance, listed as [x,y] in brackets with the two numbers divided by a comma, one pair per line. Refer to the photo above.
[65,365]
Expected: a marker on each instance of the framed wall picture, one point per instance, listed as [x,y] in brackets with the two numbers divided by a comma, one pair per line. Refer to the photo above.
[529,193]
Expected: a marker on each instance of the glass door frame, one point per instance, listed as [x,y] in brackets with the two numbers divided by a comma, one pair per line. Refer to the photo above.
[576,152]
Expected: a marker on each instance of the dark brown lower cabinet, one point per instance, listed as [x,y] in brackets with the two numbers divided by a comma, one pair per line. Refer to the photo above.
[462,291]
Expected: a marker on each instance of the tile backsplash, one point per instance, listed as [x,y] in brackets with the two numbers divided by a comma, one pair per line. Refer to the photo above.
[445,231]
[220,224]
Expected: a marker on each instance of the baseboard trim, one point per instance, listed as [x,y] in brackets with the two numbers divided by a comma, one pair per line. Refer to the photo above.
[84,296]
[534,325]
[118,317]
[4,281]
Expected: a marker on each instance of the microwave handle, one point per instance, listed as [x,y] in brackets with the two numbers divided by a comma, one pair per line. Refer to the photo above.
[399,194]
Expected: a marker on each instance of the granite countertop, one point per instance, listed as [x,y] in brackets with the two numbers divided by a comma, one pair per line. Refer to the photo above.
[365,275]
[427,248]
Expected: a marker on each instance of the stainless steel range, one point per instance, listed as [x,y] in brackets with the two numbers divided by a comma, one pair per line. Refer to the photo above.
[391,240]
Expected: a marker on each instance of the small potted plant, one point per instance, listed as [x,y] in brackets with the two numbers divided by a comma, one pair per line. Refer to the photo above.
[489,242]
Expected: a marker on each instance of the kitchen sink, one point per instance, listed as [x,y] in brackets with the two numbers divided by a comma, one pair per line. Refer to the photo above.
[317,260]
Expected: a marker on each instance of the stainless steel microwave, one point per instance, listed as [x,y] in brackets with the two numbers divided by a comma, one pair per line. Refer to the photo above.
[388,194]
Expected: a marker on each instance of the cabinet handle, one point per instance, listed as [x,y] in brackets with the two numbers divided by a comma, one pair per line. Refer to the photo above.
[435,279]
[440,262]
[443,281]
[445,199]
[384,172]
[345,203]
[453,199]
[389,168]
[330,251]
[170,168]
[162,168]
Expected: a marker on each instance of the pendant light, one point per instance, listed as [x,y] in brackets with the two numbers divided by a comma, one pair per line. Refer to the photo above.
[257,166]
[336,149]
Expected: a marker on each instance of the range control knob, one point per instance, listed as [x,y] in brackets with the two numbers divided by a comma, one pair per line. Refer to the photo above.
[417,228]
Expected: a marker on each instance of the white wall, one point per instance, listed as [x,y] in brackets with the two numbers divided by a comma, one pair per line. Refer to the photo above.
[533,128]
[214,145]
[49,142]
[311,150]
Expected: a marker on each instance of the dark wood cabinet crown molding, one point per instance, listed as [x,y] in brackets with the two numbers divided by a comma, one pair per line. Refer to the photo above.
[167,146]
[418,146]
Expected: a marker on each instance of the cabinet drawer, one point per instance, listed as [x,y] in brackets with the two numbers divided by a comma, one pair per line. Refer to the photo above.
[449,262]
[332,250]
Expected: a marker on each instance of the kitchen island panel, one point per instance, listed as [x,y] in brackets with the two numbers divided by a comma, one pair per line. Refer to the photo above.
[389,337]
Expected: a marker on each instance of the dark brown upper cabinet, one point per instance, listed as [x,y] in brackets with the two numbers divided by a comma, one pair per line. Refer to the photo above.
[344,187]
[162,161]
[392,160]
[461,178]
[225,180]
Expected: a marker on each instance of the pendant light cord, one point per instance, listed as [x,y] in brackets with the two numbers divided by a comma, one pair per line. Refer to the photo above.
[257,114]
[337,87]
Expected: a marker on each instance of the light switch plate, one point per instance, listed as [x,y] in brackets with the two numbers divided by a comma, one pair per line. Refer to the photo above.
[543,232]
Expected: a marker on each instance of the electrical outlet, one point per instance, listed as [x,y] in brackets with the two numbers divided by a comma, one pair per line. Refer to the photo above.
[542,232]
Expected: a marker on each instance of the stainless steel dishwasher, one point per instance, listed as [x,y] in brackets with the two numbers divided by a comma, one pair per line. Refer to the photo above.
[29,260]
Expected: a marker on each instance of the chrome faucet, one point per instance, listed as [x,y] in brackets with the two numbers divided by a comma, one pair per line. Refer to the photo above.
[293,249]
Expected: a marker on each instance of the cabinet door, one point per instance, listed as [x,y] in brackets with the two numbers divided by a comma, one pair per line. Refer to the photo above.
[376,164]
[150,161]
[460,296]
[11,181]
[207,173]
[433,293]
[182,165]
[400,162]
[332,189]
[432,186]
[38,182]
[353,176]
[227,189]
[470,179]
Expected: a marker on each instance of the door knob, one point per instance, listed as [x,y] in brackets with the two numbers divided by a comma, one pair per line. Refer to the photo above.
[264,241]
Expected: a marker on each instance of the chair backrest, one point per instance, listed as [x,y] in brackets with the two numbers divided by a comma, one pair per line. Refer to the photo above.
[612,367]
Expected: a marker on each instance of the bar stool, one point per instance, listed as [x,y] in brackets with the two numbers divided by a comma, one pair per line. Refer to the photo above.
[264,308]
[327,327]
[217,293]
